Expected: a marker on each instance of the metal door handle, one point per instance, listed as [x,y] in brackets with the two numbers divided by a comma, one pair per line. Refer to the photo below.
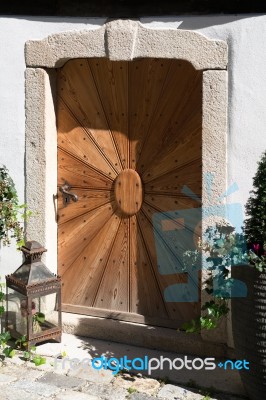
[67,195]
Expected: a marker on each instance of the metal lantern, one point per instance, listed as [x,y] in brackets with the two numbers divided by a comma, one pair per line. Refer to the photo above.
[34,299]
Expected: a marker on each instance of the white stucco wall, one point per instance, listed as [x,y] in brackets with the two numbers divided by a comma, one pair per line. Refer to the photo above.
[245,36]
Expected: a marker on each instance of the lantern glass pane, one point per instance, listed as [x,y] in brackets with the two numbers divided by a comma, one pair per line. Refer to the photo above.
[17,313]
[45,313]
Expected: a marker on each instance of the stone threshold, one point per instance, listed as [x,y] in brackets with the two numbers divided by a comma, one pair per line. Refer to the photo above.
[151,337]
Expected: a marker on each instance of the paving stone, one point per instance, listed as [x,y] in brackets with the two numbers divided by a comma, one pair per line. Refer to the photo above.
[71,345]
[16,360]
[61,381]
[90,374]
[37,388]
[147,386]
[21,372]
[172,392]
[48,366]
[143,385]
[60,365]
[71,395]
[7,378]
[141,396]
[10,393]
[124,381]
[106,392]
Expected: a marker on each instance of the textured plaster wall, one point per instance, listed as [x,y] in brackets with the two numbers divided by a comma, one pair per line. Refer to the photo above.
[245,36]
[14,32]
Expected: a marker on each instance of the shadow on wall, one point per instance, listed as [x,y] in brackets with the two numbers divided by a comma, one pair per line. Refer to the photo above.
[129,8]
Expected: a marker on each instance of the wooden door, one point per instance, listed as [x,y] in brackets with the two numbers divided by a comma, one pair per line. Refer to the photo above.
[129,139]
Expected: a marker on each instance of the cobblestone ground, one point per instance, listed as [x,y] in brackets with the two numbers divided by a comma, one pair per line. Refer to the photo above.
[20,380]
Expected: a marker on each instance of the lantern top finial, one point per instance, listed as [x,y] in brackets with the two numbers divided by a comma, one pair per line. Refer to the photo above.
[33,271]
[32,247]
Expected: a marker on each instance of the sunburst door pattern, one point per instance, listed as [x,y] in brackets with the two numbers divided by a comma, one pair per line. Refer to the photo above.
[129,139]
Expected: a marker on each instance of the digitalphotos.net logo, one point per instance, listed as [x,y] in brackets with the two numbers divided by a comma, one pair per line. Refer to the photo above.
[148,364]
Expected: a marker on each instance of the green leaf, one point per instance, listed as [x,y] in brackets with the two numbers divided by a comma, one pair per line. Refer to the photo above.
[40,317]
[26,355]
[22,341]
[5,336]
[38,360]
[192,326]
[11,212]
[220,243]
[9,352]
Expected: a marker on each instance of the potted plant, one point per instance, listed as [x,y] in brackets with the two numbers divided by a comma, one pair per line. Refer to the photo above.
[249,313]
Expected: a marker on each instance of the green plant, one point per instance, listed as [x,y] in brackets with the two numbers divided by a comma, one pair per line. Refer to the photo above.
[255,224]
[7,351]
[12,214]
[39,317]
[21,342]
[131,390]
[220,249]
[32,356]
[2,297]
[37,321]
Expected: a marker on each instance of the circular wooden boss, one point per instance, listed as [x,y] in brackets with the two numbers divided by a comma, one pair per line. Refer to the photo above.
[128,192]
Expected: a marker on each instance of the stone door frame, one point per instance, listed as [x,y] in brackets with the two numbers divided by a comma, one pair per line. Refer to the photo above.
[117,40]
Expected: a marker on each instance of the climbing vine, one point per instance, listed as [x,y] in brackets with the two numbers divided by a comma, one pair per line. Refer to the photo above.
[12,214]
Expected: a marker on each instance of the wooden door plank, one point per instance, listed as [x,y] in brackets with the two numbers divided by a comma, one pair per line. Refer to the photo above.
[82,282]
[111,79]
[184,226]
[78,91]
[180,98]
[181,152]
[79,174]
[113,292]
[166,202]
[145,295]
[88,200]
[74,139]
[146,81]
[74,235]
[173,181]
[173,277]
